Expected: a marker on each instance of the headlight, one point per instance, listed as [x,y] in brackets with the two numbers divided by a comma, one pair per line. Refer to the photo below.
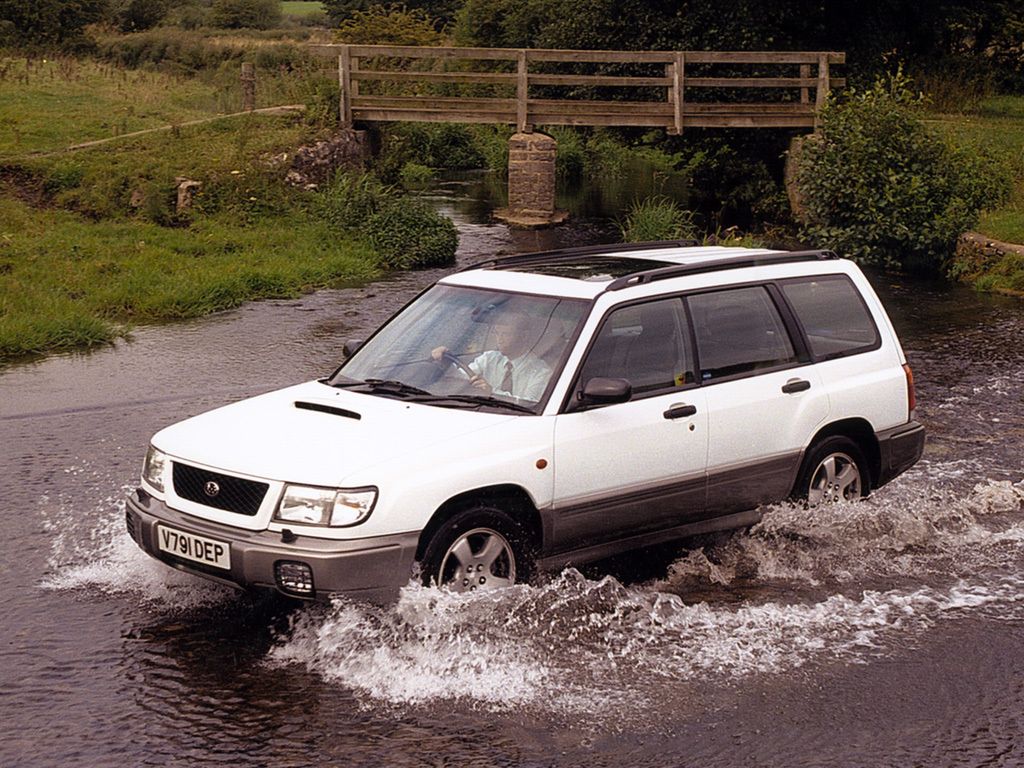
[325,506]
[153,468]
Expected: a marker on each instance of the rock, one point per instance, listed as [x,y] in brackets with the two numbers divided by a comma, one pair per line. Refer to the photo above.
[187,189]
[317,163]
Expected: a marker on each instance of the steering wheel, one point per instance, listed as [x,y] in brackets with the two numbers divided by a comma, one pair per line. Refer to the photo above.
[448,357]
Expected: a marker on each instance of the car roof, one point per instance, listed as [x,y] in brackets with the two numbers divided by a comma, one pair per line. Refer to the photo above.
[587,272]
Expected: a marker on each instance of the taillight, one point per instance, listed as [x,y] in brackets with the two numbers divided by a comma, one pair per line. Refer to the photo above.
[911,397]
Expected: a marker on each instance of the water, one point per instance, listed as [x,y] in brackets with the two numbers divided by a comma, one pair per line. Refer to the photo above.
[883,633]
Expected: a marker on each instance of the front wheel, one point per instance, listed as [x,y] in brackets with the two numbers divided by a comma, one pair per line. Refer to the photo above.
[480,548]
[834,470]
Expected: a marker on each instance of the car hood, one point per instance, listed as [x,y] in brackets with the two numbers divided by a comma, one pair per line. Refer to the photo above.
[270,437]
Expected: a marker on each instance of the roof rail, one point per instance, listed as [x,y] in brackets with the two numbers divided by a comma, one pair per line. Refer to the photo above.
[571,253]
[731,262]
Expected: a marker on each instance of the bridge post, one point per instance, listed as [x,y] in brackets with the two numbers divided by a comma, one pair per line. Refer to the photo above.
[531,182]
[345,83]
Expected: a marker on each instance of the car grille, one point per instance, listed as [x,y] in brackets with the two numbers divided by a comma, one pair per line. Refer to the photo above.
[129,520]
[234,493]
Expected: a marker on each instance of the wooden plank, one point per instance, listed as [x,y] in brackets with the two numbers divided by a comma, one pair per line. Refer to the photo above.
[434,102]
[590,80]
[427,116]
[345,83]
[353,70]
[779,108]
[805,74]
[548,54]
[756,82]
[478,78]
[604,107]
[522,93]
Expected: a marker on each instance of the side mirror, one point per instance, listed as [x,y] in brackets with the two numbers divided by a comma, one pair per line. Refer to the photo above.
[602,391]
[350,347]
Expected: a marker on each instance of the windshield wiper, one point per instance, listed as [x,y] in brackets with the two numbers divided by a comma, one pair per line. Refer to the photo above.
[478,400]
[394,387]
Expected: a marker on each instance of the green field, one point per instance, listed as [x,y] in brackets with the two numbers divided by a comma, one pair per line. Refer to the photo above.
[301,8]
[999,128]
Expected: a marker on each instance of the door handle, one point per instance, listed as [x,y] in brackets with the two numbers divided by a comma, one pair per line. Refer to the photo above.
[680,411]
[796,385]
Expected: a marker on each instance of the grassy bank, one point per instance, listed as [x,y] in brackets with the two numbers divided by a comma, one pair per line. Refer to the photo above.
[999,127]
[91,241]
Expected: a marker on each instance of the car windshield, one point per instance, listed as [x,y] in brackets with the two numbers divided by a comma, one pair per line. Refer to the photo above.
[462,347]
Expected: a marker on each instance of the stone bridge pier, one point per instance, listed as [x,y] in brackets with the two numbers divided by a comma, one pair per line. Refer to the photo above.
[531,182]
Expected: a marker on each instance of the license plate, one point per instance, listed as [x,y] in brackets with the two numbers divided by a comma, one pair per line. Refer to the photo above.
[195,548]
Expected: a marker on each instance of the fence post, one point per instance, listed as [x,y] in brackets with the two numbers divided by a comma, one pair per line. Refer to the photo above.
[679,76]
[248,86]
[822,89]
[805,92]
[345,84]
[522,94]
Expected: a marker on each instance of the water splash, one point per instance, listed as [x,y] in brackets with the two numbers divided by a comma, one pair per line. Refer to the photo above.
[106,559]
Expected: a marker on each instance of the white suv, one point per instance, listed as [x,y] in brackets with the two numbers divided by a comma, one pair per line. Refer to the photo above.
[544,410]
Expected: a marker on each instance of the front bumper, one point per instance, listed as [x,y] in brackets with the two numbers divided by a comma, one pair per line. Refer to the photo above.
[899,449]
[369,569]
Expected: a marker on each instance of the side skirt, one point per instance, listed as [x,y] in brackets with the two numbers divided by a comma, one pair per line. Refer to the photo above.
[600,551]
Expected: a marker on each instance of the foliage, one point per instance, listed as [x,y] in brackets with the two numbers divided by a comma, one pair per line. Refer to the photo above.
[339,11]
[350,200]
[48,21]
[415,175]
[877,184]
[436,145]
[236,14]
[411,235]
[137,15]
[389,25]
[657,218]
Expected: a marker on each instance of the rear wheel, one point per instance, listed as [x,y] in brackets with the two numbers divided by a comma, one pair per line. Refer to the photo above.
[479,548]
[834,470]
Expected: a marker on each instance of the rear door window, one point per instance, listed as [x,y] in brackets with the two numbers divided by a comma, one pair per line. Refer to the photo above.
[739,331]
[833,315]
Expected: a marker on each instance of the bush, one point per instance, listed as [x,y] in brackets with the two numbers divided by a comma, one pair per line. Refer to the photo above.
[878,185]
[237,14]
[410,234]
[657,218]
[414,175]
[388,25]
[350,200]
[48,21]
[137,15]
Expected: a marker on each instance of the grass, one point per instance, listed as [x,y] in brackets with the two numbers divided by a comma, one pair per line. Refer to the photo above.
[91,242]
[49,104]
[998,127]
[69,282]
[300,8]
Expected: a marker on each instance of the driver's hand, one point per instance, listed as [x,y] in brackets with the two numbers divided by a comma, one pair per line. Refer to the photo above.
[438,352]
[481,383]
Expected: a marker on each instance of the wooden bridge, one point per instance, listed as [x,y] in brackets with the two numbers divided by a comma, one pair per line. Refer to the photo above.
[674,90]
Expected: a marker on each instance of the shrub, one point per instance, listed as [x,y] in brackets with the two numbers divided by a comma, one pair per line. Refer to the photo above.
[48,21]
[389,25]
[237,14]
[878,185]
[415,175]
[657,218]
[136,15]
[410,234]
[350,200]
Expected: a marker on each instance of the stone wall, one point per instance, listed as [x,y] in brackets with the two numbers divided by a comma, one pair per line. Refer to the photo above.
[531,175]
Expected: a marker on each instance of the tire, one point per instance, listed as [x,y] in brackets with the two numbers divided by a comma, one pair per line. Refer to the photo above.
[479,548]
[834,469]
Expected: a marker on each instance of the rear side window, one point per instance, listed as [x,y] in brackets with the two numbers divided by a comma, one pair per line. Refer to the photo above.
[833,315]
[739,331]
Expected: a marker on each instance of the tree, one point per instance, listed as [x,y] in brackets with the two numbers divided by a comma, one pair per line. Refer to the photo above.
[49,21]
[237,14]
[136,15]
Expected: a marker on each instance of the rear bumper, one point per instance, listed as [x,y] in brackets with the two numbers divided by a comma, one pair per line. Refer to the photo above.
[369,569]
[899,449]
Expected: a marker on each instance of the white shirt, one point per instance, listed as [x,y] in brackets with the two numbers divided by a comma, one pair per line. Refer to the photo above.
[530,374]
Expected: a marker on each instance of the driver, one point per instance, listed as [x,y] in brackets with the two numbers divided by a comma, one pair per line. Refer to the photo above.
[512,370]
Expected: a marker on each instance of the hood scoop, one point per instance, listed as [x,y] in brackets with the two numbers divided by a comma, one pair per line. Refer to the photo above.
[323,408]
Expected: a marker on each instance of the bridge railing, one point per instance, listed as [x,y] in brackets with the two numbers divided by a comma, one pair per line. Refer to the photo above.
[523,87]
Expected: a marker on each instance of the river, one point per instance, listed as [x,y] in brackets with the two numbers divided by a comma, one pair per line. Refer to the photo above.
[886,633]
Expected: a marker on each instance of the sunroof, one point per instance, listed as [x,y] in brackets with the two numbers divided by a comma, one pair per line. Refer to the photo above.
[589,268]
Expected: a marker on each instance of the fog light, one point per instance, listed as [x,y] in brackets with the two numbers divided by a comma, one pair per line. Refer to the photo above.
[294,578]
